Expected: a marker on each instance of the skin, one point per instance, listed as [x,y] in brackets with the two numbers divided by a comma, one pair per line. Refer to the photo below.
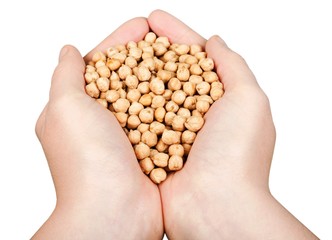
[101,190]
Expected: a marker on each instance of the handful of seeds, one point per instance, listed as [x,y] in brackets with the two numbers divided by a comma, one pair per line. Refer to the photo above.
[159,93]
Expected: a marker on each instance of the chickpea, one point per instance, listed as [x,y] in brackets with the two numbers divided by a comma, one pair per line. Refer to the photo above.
[135,108]
[133,122]
[157,127]
[124,71]
[175,163]
[178,123]
[131,81]
[176,149]
[149,138]
[91,77]
[174,84]
[150,37]
[184,112]
[143,127]
[179,97]
[144,87]
[159,114]
[146,115]
[142,150]
[189,88]
[143,73]
[158,175]
[171,107]
[161,146]
[146,100]
[113,64]
[122,118]
[133,95]
[210,77]
[112,96]
[203,88]
[169,116]
[102,102]
[131,62]
[170,137]
[182,73]
[202,106]
[134,136]
[121,105]
[103,84]
[188,137]
[157,86]
[92,90]
[206,64]
[160,159]
[158,101]
[194,123]
[146,165]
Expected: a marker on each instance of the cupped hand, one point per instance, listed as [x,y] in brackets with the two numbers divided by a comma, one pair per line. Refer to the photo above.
[101,191]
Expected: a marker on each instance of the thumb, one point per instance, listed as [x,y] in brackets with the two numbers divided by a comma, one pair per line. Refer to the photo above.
[68,76]
[231,67]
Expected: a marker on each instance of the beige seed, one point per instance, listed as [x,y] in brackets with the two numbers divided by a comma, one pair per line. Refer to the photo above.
[135,108]
[91,77]
[176,149]
[150,37]
[171,107]
[112,96]
[182,73]
[216,93]
[102,102]
[157,127]
[178,123]
[146,115]
[146,165]
[169,116]
[122,118]
[174,84]
[184,112]
[195,69]
[161,146]
[157,86]
[190,103]
[210,77]
[143,73]
[124,71]
[113,64]
[202,106]
[144,87]
[143,127]
[188,137]
[160,159]
[103,84]
[142,150]
[179,97]
[158,175]
[92,90]
[146,100]
[194,123]
[149,138]
[175,163]
[206,64]
[133,122]
[203,88]
[159,114]
[133,95]
[186,148]
[131,81]
[158,101]
[134,136]
[189,88]
[121,105]
[170,137]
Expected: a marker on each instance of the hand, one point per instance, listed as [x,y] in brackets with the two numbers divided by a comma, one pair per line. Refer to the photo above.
[101,191]
[222,192]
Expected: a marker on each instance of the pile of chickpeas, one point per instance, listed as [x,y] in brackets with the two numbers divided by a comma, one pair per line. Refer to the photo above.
[159,93]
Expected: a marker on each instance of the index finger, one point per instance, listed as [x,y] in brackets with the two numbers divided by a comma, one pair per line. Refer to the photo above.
[164,24]
[132,30]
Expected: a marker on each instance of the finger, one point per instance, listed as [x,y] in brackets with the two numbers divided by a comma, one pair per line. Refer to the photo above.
[68,75]
[132,30]
[164,24]
[230,66]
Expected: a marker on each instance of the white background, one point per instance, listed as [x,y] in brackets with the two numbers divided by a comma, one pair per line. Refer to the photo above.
[287,44]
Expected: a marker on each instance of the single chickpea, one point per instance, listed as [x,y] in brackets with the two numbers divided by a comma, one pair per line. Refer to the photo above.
[165,75]
[102,102]
[194,48]
[122,118]
[103,84]
[133,122]
[202,106]
[182,49]
[174,84]
[135,108]
[160,159]
[111,51]
[92,90]
[216,93]
[134,136]
[133,95]
[200,55]
[148,49]
[104,71]
[191,60]
[159,114]
[167,94]
[206,64]
[147,55]
[153,152]
[195,69]
[179,97]
[203,88]
[131,62]
[204,98]
[131,81]
[149,63]
[158,101]
[158,64]
[121,56]
[171,66]
[144,87]
[194,123]
[150,37]
[146,115]
[112,96]
[159,48]
[158,175]
[142,44]
[142,151]
[157,86]
[146,100]
[121,105]
[175,163]
[195,79]
[186,148]
[149,138]
[113,64]
[98,56]
[143,127]
[123,93]
[161,146]
[210,77]
[188,137]
[116,85]
[164,41]
[143,73]
[196,113]
[184,112]
[217,84]
[114,76]
[178,123]
[99,64]
[169,116]
[170,56]
[189,88]
[91,77]
[182,73]
[146,165]
[170,137]
[157,127]
[136,53]
[171,107]
[176,149]
[124,71]
[190,103]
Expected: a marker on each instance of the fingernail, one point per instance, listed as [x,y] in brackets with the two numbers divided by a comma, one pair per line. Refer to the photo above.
[63,52]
